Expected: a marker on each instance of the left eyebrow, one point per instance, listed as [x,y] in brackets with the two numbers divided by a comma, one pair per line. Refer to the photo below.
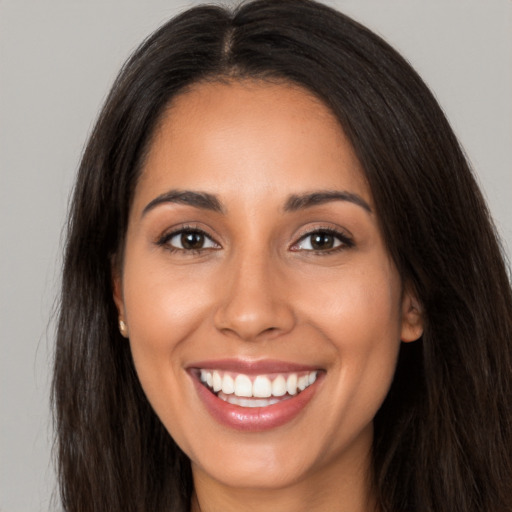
[299,202]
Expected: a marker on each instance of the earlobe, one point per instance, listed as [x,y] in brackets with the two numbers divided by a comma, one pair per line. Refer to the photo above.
[412,318]
[123,328]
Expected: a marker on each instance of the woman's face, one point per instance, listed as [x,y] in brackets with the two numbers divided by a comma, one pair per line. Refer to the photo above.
[254,262]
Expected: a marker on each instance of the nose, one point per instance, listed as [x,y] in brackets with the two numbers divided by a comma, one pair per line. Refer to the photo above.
[255,302]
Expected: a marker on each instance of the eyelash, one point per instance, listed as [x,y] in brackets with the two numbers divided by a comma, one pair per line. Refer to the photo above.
[345,241]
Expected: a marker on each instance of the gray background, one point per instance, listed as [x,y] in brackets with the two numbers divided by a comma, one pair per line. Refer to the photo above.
[57,60]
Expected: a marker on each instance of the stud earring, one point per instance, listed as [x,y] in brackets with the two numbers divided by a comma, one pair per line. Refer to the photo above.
[123,328]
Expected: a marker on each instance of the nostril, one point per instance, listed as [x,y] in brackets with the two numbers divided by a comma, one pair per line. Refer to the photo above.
[252,332]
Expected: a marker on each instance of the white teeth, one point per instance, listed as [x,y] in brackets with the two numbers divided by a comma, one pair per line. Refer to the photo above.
[262,387]
[291,384]
[243,386]
[217,381]
[248,402]
[228,384]
[279,386]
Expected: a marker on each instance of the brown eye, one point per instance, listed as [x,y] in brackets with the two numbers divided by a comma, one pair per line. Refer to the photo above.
[322,241]
[188,240]
[192,240]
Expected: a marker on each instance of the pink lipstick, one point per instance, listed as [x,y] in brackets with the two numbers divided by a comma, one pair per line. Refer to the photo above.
[254,395]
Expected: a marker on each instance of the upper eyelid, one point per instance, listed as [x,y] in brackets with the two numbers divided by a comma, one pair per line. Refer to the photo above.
[329,229]
[170,233]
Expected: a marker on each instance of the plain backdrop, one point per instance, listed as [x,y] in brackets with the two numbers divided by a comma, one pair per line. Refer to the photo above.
[57,61]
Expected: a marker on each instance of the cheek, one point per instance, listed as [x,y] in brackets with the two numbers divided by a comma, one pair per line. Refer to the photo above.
[162,307]
[355,304]
[162,311]
[359,314]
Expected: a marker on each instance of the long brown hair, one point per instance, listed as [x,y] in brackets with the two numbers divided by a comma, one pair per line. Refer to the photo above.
[443,437]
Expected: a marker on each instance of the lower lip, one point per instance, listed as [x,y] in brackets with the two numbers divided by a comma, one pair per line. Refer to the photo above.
[255,419]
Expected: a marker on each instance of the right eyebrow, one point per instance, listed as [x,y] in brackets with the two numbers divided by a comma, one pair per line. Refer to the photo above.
[201,200]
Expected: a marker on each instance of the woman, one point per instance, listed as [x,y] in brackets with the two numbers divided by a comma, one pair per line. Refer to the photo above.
[282,289]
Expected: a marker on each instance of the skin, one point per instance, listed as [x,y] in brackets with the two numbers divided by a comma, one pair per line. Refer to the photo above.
[257,291]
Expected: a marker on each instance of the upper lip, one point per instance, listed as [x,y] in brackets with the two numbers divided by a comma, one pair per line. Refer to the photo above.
[252,367]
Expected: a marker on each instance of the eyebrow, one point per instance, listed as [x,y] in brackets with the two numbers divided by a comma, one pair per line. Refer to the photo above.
[206,201]
[201,200]
[299,202]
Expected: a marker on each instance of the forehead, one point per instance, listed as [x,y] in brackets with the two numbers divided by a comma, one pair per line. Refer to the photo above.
[250,137]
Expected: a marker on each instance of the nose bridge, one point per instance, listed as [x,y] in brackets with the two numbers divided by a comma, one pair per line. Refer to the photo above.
[252,301]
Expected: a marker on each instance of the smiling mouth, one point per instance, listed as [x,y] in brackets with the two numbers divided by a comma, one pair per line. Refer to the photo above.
[255,390]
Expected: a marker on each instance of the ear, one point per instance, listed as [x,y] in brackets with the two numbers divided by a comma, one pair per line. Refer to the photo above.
[412,317]
[117,291]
